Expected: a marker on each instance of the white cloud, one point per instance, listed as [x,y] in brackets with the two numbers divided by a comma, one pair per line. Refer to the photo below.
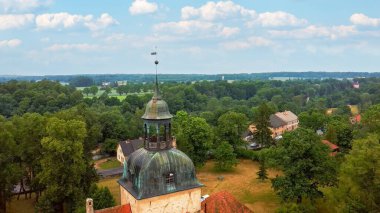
[23,5]
[142,7]
[10,43]
[247,43]
[65,47]
[67,20]
[59,20]
[361,19]
[229,31]
[277,19]
[102,22]
[216,10]
[313,31]
[15,21]
[185,27]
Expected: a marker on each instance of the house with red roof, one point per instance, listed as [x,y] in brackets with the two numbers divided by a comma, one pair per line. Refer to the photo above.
[334,148]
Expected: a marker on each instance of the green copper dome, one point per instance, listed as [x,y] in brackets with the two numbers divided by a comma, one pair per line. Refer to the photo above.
[148,174]
[157,109]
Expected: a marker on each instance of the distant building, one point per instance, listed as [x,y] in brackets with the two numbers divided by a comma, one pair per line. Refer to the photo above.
[125,148]
[356,119]
[121,83]
[356,85]
[282,122]
[333,148]
[106,84]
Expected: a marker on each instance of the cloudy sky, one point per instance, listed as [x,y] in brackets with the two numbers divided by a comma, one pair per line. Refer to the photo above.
[42,37]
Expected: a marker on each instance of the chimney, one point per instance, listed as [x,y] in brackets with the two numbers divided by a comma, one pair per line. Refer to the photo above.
[89,205]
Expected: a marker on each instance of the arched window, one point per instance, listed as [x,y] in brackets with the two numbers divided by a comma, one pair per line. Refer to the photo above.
[169,178]
[170,181]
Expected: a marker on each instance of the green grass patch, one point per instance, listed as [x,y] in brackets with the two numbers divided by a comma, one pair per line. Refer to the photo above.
[113,186]
[248,197]
[110,164]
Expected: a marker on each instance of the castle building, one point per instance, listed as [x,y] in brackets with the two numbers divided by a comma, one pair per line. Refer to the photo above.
[158,178]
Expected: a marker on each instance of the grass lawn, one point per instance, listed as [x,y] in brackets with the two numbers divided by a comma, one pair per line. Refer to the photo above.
[242,183]
[113,186]
[110,164]
[22,205]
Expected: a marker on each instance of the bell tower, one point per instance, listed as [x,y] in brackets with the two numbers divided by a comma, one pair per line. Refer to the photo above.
[157,121]
[158,177]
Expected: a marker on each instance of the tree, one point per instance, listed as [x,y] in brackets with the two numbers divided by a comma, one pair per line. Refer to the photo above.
[262,173]
[109,146]
[371,118]
[102,197]
[10,171]
[94,90]
[359,186]
[194,136]
[225,157]
[331,135]
[306,165]
[86,91]
[231,126]
[81,81]
[263,134]
[63,165]
[340,133]
[28,135]
[312,120]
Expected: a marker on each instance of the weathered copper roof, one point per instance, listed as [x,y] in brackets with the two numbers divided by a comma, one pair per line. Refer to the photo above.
[157,109]
[146,173]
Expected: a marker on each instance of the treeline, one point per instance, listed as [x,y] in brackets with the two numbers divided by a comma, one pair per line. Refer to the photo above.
[98,79]
[49,130]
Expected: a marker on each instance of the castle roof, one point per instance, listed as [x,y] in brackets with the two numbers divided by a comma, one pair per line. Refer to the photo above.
[223,202]
[146,173]
[116,209]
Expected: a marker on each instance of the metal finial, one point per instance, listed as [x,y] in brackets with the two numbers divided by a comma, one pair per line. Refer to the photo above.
[156,90]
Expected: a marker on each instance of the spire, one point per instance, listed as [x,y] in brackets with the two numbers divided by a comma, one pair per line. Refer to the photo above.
[157,94]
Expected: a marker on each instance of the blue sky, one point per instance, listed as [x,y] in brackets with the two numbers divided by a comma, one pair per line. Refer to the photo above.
[48,37]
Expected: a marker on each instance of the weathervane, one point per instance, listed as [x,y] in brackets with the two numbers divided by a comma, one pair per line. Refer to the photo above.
[157,92]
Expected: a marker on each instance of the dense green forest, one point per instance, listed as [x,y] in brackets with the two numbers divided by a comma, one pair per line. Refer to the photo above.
[46,126]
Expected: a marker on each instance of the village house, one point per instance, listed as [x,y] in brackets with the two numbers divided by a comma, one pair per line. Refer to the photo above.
[333,148]
[282,122]
[125,148]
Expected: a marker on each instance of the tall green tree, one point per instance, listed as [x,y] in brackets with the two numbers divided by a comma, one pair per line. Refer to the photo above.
[28,135]
[102,197]
[231,126]
[262,173]
[306,165]
[63,165]
[263,134]
[94,90]
[371,118]
[9,169]
[359,180]
[194,136]
[225,158]
[312,120]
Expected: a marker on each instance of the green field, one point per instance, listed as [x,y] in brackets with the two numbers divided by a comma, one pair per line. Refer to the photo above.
[113,93]
[110,164]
